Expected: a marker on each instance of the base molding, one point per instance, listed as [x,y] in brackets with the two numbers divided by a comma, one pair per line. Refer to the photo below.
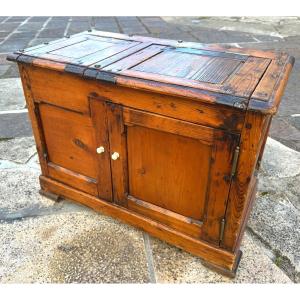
[219,259]
[223,271]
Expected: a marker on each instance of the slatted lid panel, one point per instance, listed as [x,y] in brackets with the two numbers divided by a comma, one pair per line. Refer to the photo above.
[189,66]
[210,70]
[83,50]
[224,72]
[209,73]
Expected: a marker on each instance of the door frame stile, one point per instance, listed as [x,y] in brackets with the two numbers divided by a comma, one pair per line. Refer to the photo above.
[117,141]
[98,110]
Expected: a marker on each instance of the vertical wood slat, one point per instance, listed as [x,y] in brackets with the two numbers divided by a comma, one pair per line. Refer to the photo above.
[219,185]
[117,141]
[99,119]
[136,58]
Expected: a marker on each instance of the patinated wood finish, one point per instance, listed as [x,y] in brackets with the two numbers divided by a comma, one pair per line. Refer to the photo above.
[189,123]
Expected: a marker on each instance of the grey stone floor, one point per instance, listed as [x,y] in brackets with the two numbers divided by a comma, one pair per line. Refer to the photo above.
[42,241]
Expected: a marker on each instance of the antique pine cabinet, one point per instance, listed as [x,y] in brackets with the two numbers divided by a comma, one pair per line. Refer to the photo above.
[164,135]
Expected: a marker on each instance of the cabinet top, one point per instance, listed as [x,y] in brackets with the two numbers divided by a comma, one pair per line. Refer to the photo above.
[236,77]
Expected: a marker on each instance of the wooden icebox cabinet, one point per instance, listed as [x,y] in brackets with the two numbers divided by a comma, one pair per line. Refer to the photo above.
[164,135]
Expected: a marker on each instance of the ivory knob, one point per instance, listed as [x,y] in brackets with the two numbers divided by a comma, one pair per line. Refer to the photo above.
[100,149]
[115,156]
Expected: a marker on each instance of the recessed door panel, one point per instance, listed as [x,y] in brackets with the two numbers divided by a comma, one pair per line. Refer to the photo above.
[71,142]
[168,170]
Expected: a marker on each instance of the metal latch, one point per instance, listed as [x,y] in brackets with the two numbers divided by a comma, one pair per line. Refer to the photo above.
[235,160]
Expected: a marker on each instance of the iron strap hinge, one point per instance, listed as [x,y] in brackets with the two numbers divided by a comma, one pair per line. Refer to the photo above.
[235,161]
[222,229]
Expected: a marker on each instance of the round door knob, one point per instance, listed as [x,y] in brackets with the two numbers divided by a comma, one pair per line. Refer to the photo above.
[115,156]
[100,149]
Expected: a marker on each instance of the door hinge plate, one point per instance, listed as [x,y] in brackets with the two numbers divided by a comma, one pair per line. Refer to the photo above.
[222,228]
[45,155]
[36,110]
[235,161]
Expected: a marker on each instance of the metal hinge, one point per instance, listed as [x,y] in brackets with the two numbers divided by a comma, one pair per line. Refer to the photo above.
[108,77]
[37,114]
[45,155]
[36,109]
[235,160]
[222,228]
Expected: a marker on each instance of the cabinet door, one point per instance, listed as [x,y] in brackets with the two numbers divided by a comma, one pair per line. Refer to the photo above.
[71,140]
[172,171]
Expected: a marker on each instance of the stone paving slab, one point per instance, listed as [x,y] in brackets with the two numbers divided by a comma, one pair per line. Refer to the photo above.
[276,221]
[277,27]
[275,218]
[79,247]
[19,192]
[20,196]
[279,160]
[18,150]
[173,265]
[11,94]
[12,71]
[3,69]
[15,125]
[12,44]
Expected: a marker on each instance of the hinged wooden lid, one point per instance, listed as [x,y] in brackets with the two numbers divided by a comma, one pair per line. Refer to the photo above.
[242,78]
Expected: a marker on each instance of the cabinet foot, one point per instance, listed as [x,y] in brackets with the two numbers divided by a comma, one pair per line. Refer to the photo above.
[52,196]
[225,272]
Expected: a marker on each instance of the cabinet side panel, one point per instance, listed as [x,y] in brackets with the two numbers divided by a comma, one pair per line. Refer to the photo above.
[35,121]
[252,138]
